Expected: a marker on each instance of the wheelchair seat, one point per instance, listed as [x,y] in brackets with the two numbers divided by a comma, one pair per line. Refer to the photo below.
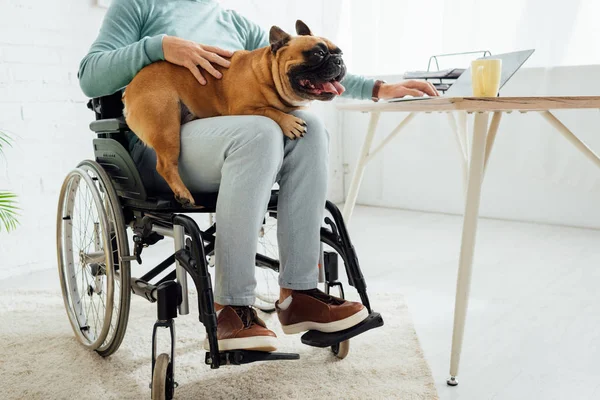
[110,150]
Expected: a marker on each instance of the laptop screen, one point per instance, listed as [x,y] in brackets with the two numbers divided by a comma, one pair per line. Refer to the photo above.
[511,62]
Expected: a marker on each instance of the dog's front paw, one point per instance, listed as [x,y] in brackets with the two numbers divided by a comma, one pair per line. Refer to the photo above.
[185,199]
[292,127]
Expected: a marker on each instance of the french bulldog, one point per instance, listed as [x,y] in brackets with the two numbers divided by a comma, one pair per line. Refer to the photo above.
[270,81]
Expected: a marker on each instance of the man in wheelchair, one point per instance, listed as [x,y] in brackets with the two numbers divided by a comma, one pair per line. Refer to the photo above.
[240,157]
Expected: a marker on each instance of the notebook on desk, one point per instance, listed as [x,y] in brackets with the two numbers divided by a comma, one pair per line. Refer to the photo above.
[511,62]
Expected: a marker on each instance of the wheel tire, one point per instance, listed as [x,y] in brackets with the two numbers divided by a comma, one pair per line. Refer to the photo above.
[92,303]
[162,378]
[119,248]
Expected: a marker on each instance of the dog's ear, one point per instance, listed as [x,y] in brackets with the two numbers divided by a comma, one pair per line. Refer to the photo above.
[278,38]
[302,29]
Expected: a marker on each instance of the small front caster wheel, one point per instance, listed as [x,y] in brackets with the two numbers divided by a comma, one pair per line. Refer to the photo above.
[162,379]
[341,350]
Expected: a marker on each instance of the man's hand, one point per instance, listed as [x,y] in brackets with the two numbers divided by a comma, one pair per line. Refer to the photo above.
[191,55]
[407,88]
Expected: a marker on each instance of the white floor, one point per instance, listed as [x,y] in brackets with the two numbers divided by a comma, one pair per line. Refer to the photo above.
[533,328]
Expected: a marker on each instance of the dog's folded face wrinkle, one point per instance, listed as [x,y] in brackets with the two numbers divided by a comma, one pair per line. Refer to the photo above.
[309,67]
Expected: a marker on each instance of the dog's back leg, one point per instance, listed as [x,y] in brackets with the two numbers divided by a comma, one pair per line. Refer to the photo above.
[157,123]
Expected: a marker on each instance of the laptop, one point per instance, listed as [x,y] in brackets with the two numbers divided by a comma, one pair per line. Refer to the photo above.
[511,62]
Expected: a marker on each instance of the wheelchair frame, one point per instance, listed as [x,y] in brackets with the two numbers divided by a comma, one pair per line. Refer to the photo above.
[154,217]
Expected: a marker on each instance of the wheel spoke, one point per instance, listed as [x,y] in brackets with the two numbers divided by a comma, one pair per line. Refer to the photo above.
[87,216]
[75,214]
[103,303]
[82,225]
[84,295]
[98,323]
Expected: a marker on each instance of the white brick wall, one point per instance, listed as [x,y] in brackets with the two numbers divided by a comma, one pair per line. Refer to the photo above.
[41,105]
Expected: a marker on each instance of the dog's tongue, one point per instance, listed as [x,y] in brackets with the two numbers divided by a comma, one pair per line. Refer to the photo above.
[333,87]
[340,88]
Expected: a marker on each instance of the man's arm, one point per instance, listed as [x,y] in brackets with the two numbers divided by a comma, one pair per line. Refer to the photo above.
[357,87]
[119,52]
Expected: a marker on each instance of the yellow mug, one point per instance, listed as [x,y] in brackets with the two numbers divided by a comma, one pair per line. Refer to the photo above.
[485,77]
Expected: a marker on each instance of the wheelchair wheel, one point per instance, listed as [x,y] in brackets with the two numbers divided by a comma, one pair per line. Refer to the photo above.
[267,282]
[162,378]
[85,262]
[119,247]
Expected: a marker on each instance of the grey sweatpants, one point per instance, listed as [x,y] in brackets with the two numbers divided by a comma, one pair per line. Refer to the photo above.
[242,157]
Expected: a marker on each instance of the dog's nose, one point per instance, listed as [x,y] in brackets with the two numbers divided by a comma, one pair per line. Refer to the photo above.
[337,61]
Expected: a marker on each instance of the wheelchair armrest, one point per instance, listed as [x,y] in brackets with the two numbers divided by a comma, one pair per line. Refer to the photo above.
[112,125]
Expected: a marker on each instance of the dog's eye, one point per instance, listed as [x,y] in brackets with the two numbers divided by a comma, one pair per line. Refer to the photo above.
[320,53]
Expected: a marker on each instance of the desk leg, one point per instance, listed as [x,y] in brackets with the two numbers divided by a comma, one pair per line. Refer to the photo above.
[491,137]
[360,167]
[462,148]
[570,136]
[478,150]
[462,128]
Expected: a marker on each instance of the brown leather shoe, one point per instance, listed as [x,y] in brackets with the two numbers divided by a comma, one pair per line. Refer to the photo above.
[239,328]
[315,310]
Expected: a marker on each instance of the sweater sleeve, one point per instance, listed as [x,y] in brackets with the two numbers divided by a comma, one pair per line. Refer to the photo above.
[357,87]
[119,51]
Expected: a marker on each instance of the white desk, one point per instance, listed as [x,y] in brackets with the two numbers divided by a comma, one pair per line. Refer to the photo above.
[474,160]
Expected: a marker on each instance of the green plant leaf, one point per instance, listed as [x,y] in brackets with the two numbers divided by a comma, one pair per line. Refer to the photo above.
[5,140]
[8,211]
[8,201]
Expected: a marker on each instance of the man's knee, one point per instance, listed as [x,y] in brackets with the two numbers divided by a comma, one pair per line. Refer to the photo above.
[266,137]
[265,128]
[316,140]
[314,124]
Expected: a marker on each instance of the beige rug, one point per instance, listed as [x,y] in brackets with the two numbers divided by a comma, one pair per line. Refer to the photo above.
[40,359]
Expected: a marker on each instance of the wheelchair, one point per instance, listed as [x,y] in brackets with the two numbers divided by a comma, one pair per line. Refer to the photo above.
[101,199]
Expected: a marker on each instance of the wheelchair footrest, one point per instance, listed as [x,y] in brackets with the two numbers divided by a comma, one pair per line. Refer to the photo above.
[239,357]
[322,339]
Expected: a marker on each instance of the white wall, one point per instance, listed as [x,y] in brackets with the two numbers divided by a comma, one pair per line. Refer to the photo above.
[534,174]
[41,43]
[392,36]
